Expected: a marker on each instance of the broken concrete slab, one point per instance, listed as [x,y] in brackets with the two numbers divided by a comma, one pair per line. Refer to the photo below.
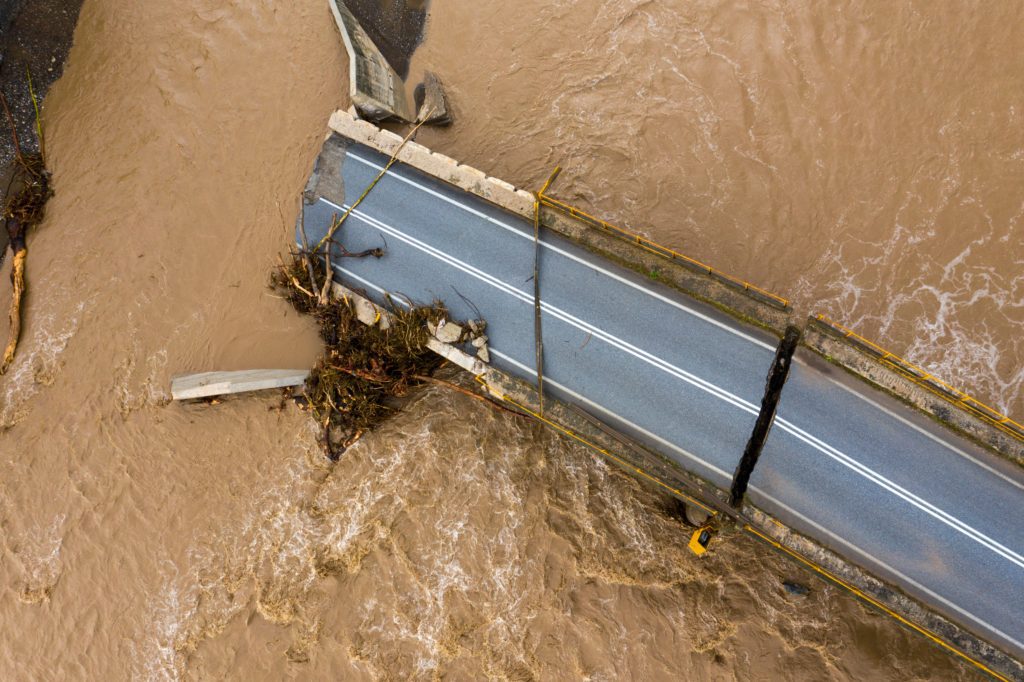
[449,352]
[206,384]
[377,90]
[366,312]
[446,332]
[431,103]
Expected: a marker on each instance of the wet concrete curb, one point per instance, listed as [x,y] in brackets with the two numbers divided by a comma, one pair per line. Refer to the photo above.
[740,304]
[639,460]
[832,345]
[697,284]
[887,596]
[652,468]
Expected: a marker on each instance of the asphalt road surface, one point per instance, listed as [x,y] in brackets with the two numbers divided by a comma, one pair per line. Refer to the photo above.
[861,473]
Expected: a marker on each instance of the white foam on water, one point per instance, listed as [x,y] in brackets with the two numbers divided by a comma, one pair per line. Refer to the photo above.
[43,340]
[159,656]
[38,551]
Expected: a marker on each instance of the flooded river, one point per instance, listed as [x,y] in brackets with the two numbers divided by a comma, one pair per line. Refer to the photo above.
[864,158]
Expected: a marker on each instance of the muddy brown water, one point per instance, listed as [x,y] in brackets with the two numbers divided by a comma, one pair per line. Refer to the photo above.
[864,158]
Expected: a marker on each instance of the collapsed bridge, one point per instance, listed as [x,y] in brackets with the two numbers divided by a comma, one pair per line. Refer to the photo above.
[910,496]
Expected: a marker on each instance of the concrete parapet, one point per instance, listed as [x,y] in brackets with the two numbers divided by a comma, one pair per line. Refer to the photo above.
[879,594]
[642,460]
[635,459]
[377,91]
[746,305]
[739,303]
[927,395]
[445,168]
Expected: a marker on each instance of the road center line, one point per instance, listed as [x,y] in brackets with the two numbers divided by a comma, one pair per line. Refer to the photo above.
[726,476]
[717,391]
[676,304]
[563,252]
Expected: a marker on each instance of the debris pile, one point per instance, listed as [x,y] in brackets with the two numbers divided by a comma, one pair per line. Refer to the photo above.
[369,362]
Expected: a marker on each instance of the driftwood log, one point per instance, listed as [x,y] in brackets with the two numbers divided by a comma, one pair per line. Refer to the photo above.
[20,252]
[24,202]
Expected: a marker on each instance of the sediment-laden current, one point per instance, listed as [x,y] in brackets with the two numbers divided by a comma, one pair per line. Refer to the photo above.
[865,159]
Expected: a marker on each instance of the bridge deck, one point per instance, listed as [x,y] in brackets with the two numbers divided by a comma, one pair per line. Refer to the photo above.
[857,471]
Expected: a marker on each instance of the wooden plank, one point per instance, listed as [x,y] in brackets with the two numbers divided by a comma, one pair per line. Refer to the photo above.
[206,384]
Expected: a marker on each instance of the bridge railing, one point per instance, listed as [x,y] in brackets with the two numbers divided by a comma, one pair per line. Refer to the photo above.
[653,247]
[903,367]
[925,379]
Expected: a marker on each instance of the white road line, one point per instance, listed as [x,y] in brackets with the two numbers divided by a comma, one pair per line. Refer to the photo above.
[929,435]
[881,564]
[554,311]
[597,268]
[833,453]
[563,252]
[727,477]
[898,490]
[780,505]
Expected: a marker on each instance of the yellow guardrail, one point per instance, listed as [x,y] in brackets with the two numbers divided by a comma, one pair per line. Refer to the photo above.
[828,575]
[600,450]
[663,251]
[928,381]
[874,602]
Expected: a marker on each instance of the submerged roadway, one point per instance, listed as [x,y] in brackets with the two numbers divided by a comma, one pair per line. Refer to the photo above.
[861,473]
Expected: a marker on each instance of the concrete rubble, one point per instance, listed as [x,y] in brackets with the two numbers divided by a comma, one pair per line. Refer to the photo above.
[449,333]
[446,332]
[431,103]
[368,314]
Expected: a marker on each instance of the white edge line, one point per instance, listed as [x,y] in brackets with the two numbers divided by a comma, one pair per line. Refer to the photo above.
[689,455]
[717,391]
[681,307]
[568,255]
[924,432]
[766,496]
[881,564]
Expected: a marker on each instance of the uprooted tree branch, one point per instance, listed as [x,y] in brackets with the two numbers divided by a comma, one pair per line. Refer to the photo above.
[26,197]
[365,368]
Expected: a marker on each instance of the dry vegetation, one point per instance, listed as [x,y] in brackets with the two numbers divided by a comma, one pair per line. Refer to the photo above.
[364,368]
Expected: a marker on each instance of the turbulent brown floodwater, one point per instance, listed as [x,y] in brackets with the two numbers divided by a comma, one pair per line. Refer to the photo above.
[865,158]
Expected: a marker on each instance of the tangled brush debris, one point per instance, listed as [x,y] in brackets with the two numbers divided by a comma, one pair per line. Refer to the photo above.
[365,367]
